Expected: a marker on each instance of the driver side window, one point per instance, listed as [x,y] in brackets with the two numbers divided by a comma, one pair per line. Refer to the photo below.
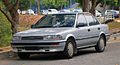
[81,21]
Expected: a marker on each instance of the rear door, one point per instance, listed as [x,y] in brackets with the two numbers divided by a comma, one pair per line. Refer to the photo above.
[94,29]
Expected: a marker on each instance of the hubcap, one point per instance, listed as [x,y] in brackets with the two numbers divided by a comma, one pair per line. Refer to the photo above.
[102,44]
[70,49]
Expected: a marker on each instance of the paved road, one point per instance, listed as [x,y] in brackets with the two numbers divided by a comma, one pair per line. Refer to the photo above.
[111,56]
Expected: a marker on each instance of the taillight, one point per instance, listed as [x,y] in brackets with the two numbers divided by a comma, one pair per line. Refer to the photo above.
[12,44]
[118,14]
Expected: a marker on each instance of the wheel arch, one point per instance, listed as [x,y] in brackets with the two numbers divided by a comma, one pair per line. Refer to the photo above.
[72,37]
[103,34]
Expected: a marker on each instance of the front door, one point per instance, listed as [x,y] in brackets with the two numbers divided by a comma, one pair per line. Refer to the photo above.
[82,30]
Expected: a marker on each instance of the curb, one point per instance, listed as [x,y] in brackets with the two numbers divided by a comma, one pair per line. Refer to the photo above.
[7,54]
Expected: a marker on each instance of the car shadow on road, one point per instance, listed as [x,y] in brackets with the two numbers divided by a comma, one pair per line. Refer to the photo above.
[85,52]
[52,57]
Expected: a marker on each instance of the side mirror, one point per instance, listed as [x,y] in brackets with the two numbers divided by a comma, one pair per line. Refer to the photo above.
[32,26]
[80,25]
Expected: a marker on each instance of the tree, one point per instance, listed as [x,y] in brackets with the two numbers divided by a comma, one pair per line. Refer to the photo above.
[113,4]
[80,2]
[24,4]
[119,8]
[92,10]
[38,3]
[85,5]
[14,19]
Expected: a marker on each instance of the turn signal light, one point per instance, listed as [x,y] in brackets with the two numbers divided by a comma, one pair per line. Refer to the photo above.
[55,44]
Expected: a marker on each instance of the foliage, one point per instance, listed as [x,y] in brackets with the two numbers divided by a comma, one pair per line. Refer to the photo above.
[113,25]
[51,3]
[111,3]
[5,31]
[24,5]
[80,2]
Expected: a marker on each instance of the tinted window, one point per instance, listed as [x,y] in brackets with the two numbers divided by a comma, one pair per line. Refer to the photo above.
[90,19]
[81,20]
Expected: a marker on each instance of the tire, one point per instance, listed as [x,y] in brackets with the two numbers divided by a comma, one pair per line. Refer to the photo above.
[100,47]
[23,55]
[69,49]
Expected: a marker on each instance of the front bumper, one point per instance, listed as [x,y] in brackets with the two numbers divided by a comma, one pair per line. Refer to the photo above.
[107,37]
[38,47]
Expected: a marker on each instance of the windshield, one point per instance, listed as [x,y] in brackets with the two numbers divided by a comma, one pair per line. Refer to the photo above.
[56,20]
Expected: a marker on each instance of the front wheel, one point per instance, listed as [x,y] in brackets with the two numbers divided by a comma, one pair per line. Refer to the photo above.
[69,49]
[23,55]
[100,47]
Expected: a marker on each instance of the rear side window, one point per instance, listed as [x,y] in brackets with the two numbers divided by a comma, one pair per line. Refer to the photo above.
[81,20]
[91,20]
[96,21]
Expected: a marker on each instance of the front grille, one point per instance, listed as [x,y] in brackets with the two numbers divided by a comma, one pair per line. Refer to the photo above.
[32,48]
[33,38]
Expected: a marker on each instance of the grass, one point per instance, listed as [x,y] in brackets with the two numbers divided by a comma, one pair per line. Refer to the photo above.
[113,25]
[117,19]
[25,21]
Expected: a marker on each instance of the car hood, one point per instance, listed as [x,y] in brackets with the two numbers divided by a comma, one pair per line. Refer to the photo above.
[43,31]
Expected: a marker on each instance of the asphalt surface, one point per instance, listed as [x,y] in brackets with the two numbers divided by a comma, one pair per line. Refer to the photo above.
[111,56]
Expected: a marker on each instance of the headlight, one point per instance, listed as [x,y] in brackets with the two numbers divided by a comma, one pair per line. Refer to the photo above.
[52,37]
[16,38]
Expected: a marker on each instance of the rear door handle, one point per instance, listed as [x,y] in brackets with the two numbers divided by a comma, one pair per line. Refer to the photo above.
[88,30]
[98,28]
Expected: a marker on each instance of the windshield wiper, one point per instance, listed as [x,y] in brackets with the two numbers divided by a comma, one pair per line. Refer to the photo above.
[44,27]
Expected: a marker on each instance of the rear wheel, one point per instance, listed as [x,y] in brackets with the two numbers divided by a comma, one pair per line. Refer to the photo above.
[69,49]
[23,55]
[100,47]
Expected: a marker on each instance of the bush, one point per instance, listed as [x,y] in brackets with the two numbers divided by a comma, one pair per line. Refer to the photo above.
[5,31]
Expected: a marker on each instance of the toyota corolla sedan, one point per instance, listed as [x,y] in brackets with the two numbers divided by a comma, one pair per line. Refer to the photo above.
[63,33]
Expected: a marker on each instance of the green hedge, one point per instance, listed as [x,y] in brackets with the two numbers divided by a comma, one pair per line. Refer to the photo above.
[5,31]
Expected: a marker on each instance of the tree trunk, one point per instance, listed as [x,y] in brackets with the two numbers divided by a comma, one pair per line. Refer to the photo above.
[98,1]
[92,10]
[14,20]
[38,3]
[119,8]
[85,5]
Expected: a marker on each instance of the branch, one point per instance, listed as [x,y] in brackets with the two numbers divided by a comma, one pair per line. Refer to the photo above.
[9,19]
[98,1]
[7,4]
[17,4]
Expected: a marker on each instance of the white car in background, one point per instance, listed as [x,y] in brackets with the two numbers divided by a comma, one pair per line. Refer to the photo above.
[97,13]
[50,11]
[26,12]
[19,12]
[30,12]
[113,13]
[66,11]
[77,10]
[44,11]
